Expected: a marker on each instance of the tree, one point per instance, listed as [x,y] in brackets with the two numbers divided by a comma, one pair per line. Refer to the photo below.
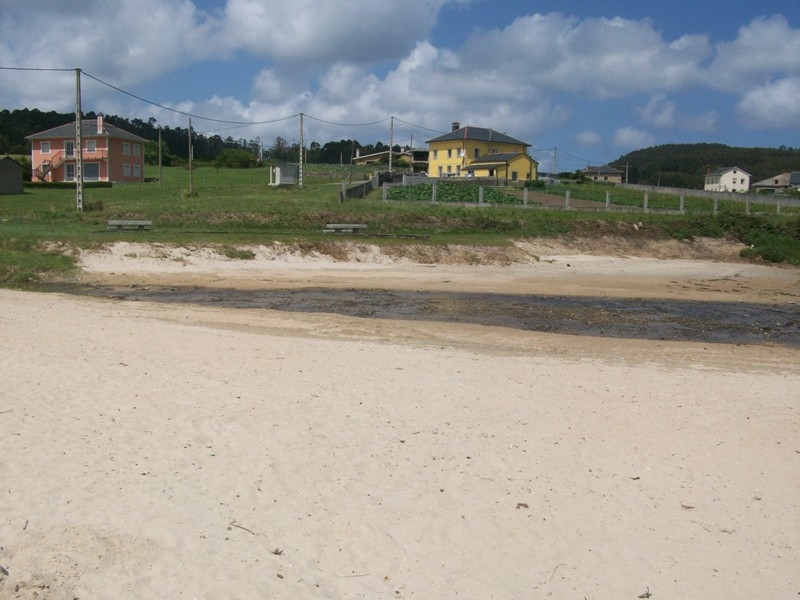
[236,158]
[314,152]
[151,154]
[280,150]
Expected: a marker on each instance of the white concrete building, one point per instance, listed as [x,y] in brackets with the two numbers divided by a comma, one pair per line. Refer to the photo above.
[727,179]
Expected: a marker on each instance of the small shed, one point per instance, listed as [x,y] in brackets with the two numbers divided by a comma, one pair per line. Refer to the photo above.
[10,176]
[284,174]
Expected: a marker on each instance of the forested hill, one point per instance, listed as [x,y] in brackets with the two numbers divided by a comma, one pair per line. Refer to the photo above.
[684,165]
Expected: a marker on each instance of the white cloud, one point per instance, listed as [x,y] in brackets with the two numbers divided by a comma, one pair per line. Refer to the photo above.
[136,41]
[632,138]
[663,113]
[589,137]
[310,31]
[606,57]
[762,49]
[268,87]
[658,112]
[133,42]
[774,105]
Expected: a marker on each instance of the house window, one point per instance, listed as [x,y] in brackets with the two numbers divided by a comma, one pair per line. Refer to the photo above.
[458,170]
[477,152]
[494,150]
[91,171]
[91,145]
[69,148]
[126,170]
[126,149]
[435,154]
[45,147]
[449,153]
[440,170]
[514,176]
[136,171]
[136,148]
[491,172]
[449,169]
[69,172]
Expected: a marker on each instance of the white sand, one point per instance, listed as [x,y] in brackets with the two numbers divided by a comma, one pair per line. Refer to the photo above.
[151,451]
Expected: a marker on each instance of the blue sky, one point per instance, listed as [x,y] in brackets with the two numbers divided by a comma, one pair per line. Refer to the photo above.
[593,79]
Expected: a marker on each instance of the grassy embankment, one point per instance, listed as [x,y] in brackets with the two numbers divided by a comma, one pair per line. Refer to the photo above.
[232,208]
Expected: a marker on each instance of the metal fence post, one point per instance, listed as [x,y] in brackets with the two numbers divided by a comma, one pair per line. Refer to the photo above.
[566,205]
[608,200]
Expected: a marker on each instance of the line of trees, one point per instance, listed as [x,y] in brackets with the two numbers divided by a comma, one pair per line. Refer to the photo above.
[214,149]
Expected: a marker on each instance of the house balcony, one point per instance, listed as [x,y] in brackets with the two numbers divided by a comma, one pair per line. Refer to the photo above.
[47,169]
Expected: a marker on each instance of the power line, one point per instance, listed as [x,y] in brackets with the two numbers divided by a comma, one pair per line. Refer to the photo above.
[585,160]
[239,124]
[346,124]
[180,112]
[416,126]
[32,69]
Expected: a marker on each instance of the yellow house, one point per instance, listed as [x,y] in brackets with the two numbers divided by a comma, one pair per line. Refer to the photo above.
[480,152]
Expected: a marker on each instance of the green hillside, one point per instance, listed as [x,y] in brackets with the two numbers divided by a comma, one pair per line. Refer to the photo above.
[684,165]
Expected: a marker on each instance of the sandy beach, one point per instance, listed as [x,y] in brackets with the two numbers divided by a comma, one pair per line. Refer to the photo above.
[168,451]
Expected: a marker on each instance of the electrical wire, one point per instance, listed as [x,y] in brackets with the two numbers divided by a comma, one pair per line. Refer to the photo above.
[238,124]
[186,114]
[33,69]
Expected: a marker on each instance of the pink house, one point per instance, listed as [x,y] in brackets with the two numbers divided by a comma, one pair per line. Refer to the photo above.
[109,153]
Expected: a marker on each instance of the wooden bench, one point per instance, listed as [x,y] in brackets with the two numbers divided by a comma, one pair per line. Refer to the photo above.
[122,224]
[344,228]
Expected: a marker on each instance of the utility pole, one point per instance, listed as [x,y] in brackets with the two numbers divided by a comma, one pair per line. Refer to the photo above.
[555,161]
[160,178]
[191,186]
[78,144]
[411,148]
[301,151]
[391,143]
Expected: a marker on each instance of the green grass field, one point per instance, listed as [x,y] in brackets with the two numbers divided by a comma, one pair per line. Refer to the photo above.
[238,207]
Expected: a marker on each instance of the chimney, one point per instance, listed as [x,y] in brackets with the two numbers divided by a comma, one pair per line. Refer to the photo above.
[100,123]
[456,125]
